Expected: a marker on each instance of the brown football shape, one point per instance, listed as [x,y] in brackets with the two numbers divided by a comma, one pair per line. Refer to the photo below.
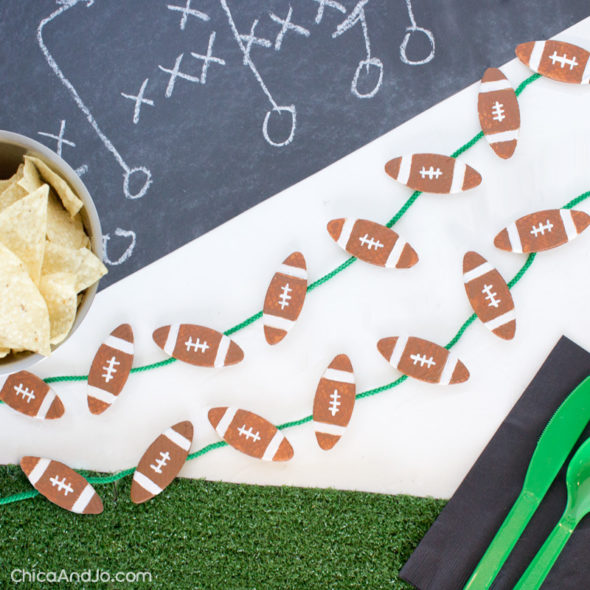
[334,402]
[161,462]
[110,369]
[198,345]
[499,113]
[423,360]
[372,242]
[489,295]
[29,395]
[61,485]
[557,60]
[251,434]
[433,173]
[284,298]
[542,230]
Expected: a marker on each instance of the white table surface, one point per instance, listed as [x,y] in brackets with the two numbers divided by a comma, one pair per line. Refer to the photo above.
[417,439]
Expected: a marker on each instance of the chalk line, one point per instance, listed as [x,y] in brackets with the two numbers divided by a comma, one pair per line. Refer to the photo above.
[123,233]
[128,171]
[414,28]
[275,107]
[357,15]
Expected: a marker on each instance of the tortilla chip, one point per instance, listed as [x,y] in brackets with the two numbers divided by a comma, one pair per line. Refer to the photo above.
[23,226]
[24,319]
[63,229]
[59,294]
[30,180]
[81,262]
[91,269]
[69,199]
[12,192]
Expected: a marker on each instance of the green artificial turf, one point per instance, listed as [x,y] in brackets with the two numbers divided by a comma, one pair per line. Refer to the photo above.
[200,534]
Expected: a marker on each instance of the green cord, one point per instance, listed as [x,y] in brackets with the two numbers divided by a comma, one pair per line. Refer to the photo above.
[100,480]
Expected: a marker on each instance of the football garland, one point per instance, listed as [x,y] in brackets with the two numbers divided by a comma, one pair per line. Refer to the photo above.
[171,448]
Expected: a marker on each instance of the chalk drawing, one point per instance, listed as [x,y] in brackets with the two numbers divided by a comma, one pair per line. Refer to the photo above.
[187,11]
[80,171]
[207,59]
[286,25]
[144,174]
[276,109]
[251,39]
[357,15]
[323,4]
[59,138]
[176,73]
[414,28]
[139,100]
[122,233]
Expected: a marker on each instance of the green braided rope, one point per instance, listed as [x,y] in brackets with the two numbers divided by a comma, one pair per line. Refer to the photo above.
[100,480]
[255,317]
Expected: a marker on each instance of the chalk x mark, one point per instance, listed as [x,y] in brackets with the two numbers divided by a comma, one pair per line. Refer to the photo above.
[357,15]
[176,73]
[276,109]
[286,25]
[128,172]
[323,4]
[187,11]
[208,59]
[122,233]
[414,28]
[59,138]
[139,100]
[251,39]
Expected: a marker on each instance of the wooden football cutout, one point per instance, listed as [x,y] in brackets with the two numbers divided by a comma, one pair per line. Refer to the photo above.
[499,113]
[161,462]
[198,345]
[285,297]
[433,173]
[61,485]
[557,60]
[28,394]
[489,295]
[110,369]
[334,402]
[423,360]
[251,434]
[372,242]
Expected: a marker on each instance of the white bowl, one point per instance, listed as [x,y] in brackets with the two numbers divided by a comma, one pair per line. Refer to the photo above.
[13,147]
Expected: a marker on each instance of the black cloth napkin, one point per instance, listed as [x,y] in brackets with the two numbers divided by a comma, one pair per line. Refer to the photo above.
[450,550]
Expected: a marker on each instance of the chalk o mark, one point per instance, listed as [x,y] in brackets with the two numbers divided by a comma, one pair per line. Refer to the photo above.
[144,187]
[365,66]
[414,28]
[402,48]
[122,233]
[250,64]
[292,111]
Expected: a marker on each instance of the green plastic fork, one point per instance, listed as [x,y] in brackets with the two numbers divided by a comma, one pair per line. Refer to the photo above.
[577,480]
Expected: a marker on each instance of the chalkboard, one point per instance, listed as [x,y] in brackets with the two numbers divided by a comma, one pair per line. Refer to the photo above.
[181,114]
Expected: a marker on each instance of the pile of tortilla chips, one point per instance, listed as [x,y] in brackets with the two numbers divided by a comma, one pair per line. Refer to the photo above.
[45,259]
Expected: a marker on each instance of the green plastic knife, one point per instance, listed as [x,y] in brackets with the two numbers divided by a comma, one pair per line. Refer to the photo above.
[554,446]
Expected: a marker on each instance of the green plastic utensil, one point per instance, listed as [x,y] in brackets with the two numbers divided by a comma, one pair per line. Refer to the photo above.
[554,446]
[577,480]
